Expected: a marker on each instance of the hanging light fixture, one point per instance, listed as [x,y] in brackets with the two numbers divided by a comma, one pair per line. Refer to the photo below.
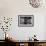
[36,3]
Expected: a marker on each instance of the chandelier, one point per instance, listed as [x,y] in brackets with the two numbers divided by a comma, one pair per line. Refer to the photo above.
[36,3]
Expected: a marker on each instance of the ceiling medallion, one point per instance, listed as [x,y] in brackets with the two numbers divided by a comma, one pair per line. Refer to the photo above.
[35,3]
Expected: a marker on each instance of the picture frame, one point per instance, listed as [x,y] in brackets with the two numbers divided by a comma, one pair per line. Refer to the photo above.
[25,20]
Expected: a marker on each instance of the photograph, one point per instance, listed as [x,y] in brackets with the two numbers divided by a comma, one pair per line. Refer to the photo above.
[25,20]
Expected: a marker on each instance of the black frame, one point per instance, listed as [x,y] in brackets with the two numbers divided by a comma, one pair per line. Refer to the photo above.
[25,20]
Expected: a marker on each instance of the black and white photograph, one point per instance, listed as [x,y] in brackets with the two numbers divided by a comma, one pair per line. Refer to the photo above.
[22,22]
[26,20]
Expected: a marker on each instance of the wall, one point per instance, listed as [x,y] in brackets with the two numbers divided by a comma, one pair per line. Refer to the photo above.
[13,8]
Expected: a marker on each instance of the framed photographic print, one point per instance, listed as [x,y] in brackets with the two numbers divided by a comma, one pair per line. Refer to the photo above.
[25,20]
